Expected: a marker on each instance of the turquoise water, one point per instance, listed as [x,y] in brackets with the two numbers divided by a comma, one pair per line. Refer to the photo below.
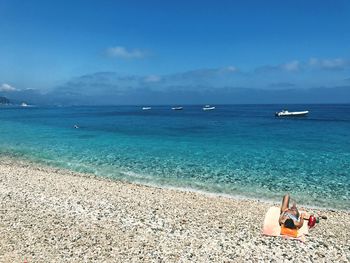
[236,149]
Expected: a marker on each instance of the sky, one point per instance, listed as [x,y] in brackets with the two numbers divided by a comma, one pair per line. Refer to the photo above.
[173,45]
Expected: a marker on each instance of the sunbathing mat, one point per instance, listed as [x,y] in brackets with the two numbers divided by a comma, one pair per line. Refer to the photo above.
[271,226]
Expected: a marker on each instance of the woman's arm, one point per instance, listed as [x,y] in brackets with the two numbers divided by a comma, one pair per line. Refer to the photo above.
[301,222]
[280,220]
[282,217]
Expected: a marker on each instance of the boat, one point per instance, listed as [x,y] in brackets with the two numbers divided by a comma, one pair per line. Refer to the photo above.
[177,108]
[23,104]
[208,107]
[286,113]
[146,108]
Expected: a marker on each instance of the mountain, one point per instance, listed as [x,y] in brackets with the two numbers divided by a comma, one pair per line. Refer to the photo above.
[31,96]
[110,88]
[193,95]
[198,87]
[200,95]
[4,100]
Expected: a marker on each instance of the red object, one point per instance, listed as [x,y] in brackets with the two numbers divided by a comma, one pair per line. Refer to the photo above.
[312,221]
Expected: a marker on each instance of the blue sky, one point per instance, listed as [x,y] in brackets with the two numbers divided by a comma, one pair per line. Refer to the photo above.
[45,44]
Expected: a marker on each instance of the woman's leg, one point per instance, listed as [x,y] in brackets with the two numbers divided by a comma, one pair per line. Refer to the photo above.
[285,202]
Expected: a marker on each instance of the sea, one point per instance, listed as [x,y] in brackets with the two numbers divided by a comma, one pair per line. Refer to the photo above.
[236,150]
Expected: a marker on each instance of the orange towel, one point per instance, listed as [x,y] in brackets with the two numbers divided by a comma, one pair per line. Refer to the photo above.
[285,231]
[271,226]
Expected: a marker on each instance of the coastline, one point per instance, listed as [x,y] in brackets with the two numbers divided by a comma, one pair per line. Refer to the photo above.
[266,200]
[50,214]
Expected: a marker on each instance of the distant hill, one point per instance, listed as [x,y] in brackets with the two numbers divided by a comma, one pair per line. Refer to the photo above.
[197,95]
[98,94]
[109,88]
[4,100]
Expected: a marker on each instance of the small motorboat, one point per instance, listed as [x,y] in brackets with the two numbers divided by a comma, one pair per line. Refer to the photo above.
[286,113]
[146,108]
[208,107]
[177,108]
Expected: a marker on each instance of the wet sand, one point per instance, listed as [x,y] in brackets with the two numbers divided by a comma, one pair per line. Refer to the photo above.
[53,215]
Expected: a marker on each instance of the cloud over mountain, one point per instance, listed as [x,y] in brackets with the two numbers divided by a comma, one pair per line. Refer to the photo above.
[7,87]
[124,53]
[330,64]
[292,81]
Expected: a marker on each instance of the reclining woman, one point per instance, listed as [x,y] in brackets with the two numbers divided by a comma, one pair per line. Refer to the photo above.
[290,217]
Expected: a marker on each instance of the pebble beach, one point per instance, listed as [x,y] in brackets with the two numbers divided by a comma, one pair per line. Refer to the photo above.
[56,215]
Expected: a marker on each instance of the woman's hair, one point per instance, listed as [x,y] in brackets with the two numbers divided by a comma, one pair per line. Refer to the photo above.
[289,223]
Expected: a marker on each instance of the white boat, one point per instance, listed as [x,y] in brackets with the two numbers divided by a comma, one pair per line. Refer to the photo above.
[146,108]
[23,104]
[177,108]
[207,107]
[286,113]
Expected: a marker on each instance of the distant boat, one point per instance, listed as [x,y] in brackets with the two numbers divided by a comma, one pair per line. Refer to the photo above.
[146,108]
[177,108]
[208,107]
[286,113]
[23,104]
[76,126]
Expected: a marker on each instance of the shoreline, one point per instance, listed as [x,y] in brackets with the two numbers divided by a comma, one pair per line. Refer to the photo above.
[50,214]
[43,165]
[232,196]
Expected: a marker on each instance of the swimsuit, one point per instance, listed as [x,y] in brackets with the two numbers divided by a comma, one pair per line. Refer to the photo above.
[291,216]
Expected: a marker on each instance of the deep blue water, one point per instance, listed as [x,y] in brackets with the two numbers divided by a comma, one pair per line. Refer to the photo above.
[236,149]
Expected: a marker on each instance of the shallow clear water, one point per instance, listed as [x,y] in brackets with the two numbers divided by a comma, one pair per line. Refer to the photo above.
[236,149]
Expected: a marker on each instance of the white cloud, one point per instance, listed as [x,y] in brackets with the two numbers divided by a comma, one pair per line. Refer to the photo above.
[291,66]
[7,87]
[122,52]
[231,69]
[336,63]
[152,78]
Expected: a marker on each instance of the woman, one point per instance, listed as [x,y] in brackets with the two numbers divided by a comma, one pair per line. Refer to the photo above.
[290,217]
